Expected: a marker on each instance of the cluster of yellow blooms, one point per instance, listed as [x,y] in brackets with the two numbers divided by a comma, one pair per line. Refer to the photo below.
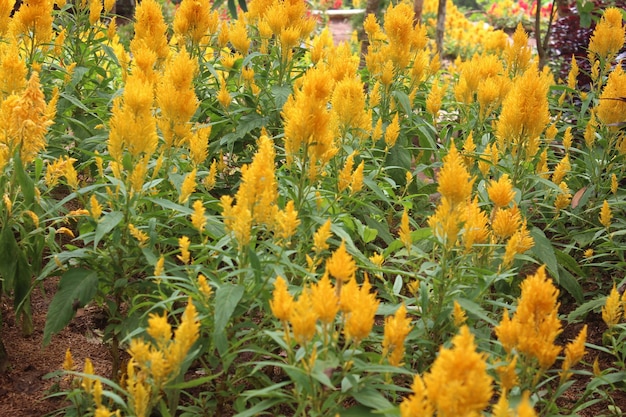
[458,214]
[256,200]
[322,301]
[458,382]
[152,365]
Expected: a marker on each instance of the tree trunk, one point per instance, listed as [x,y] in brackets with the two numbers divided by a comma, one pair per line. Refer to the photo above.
[418,7]
[441,24]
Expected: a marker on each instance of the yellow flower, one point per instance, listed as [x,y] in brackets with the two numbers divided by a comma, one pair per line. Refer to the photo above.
[608,36]
[158,267]
[525,110]
[68,363]
[614,184]
[345,175]
[517,54]
[95,9]
[567,138]
[341,265]
[356,182]
[455,183]
[520,242]
[417,404]
[507,374]
[132,125]
[188,187]
[446,222]
[281,302]
[238,36]
[325,300]
[287,221]
[223,96]
[564,198]
[433,100]
[348,103]
[199,144]
[392,132]
[535,324]
[184,243]
[397,327]
[139,391]
[138,234]
[574,352]
[458,383]
[612,309]
[159,329]
[405,231]
[204,286]
[150,29]
[13,71]
[177,100]
[193,21]
[572,76]
[24,119]
[501,191]
[525,409]
[303,318]
[362,310]
[197,217]
[506,222]
[321,237]
[34,21]
[562,168]
[95,209]
[458,314]
[612,109]
[605,214]
[210,180]
[88,382]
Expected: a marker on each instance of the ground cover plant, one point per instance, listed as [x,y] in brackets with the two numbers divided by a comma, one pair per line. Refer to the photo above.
[273,224]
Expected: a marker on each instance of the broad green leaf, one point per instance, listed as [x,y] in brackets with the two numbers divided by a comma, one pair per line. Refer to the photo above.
[567,261]
[106,224]
[544,251]
[258,408]
[26,183]
[226,299]
[8,261]
[476,310]
[370,397]
[358,411]
[76,288]
[571,285]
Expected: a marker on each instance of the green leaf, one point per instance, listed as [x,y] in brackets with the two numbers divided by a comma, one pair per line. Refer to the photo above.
[571,285]
[26,183]
[475,310]
[566,260]
[544,251]
[403,99]
[8,261]
[368,234]
[255,263]
[226,299]
[77,287]
[258,408]
[358,411]
[370,397]
[586,308]
[106,224]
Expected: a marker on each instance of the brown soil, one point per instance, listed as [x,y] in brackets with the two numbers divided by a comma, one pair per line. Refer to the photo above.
[24,387]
